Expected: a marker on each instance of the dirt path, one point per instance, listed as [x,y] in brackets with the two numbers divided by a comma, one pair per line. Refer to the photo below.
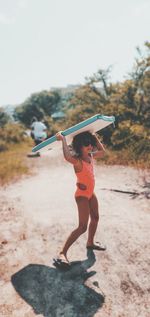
[39,211]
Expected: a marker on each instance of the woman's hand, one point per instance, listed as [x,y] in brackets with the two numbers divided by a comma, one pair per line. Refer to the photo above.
[59,136]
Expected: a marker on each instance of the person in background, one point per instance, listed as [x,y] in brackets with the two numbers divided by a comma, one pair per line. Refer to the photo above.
[38,131]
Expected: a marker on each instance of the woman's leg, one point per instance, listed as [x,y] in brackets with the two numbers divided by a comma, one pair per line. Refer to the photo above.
[94,218]
[84,211]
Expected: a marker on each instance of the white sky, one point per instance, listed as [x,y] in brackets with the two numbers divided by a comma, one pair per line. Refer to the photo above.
[52,43]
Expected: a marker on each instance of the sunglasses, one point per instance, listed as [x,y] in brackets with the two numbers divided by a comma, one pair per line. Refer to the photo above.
[87,143]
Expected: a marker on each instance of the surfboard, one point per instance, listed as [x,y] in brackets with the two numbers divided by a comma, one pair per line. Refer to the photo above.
[93,124]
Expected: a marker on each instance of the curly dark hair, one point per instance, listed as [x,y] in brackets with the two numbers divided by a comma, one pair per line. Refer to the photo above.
[83,139]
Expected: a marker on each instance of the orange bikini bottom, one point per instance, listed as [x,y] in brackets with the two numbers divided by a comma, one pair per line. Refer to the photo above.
[84,193]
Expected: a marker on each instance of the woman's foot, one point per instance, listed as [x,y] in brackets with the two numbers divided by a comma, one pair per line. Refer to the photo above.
[96,246]
[63,258]
[61,262]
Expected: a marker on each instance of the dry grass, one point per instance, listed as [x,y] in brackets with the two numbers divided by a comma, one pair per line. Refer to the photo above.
[14,163]
[125,158]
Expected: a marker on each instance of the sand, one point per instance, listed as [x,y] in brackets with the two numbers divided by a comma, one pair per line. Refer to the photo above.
[37,214]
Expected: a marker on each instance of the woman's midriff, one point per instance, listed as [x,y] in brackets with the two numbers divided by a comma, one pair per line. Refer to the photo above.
[85,181]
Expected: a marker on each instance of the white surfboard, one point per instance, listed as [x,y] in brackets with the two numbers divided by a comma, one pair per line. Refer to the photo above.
[93,124]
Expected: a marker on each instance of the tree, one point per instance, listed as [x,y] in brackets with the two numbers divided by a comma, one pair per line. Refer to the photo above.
[101,77]
[141,78]
[39,104]
[4,117]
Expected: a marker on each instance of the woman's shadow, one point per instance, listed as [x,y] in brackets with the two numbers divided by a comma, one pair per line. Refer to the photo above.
[54,293]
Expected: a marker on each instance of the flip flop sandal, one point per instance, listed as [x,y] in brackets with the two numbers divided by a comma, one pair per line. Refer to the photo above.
[58,263]
[97,246]
[63,259]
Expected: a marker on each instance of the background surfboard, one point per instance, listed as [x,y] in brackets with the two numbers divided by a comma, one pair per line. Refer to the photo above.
[92,124]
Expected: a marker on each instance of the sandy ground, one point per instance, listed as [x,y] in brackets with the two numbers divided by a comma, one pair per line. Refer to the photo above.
[37,214]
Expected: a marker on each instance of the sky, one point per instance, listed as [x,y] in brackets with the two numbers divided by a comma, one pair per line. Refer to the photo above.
[55,43]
